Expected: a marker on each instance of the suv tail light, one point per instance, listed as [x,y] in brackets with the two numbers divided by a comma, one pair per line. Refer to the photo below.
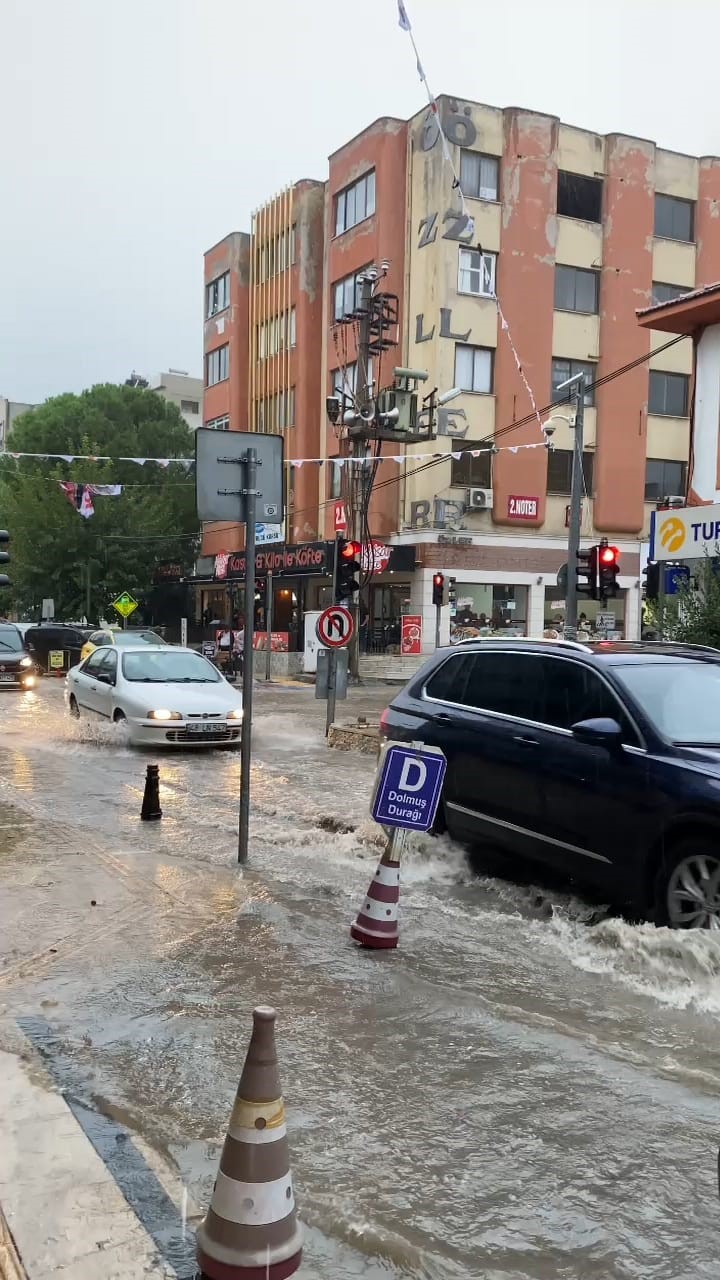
[385,723]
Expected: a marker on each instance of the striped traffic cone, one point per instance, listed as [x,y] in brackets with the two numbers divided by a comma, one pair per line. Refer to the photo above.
[250,1231]
[376,924]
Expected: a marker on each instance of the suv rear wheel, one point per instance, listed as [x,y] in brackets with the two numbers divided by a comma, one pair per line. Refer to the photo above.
[687,891]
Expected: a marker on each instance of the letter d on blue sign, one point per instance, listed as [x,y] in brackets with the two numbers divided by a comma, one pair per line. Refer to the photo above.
[404,781]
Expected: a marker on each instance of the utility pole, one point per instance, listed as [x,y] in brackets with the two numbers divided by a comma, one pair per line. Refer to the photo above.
[268,624]
[332,653]
[250,493]
[356,480]
[576,494]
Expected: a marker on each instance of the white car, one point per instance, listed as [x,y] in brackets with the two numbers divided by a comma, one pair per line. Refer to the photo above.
[165,695]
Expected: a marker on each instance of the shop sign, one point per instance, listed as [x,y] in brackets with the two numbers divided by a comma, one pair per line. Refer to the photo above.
[375,557]
[268,533]
[279,641]
[290,562]
[521,507]
[411,633]
[445,515]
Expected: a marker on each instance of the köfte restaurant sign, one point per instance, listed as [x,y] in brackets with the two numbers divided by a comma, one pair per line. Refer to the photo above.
[291,562]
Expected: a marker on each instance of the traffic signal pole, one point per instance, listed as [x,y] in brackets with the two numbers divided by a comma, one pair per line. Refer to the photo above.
[576,493]
[356,478]
[332,653]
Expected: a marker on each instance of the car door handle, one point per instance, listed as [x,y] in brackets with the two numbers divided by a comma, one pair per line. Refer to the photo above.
[442,717]
[525,740]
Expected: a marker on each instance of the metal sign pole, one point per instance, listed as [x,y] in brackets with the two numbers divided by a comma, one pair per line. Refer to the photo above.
[249,492]
[332,655]
[268,624]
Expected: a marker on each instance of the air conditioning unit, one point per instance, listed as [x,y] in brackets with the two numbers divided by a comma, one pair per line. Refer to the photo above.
[479,499]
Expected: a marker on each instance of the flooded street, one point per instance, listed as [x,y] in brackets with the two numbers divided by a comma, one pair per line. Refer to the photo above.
[527,1089]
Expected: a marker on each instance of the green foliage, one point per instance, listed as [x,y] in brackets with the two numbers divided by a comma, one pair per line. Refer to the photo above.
[697,619]
[52,545]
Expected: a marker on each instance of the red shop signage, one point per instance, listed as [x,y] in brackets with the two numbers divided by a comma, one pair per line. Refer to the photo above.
[298,561]
[521,507]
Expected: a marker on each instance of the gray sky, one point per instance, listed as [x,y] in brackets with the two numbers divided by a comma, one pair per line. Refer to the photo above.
[136,133]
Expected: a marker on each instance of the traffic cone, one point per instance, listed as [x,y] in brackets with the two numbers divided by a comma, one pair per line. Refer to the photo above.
[376,924]
[151,797]
[250,1231]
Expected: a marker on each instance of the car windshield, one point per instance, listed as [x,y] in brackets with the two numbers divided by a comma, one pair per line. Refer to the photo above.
[138,637]
[172,667]
[681,698]
[10,639]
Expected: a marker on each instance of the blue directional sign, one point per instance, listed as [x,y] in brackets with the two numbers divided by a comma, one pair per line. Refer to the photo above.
[408,787]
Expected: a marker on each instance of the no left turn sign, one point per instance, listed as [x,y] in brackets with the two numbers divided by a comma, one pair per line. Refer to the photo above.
[335,627]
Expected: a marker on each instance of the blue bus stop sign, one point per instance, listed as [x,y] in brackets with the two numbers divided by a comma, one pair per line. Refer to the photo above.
[408,787]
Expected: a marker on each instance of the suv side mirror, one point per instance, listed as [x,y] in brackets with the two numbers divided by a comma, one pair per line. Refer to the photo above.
[599,732]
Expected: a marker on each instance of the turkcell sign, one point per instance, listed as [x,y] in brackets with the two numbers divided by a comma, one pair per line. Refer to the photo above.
[408,786]
[685,533]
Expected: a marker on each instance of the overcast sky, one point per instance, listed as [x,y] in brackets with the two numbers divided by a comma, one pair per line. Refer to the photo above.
[134,134]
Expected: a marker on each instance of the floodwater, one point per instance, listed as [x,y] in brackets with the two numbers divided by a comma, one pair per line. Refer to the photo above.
[526,1090]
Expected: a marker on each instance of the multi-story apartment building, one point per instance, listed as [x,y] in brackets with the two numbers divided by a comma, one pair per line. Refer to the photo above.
[574,232]
[182,390]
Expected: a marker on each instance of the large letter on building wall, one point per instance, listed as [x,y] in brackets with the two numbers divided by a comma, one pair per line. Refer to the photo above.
[526,283]
[625,285]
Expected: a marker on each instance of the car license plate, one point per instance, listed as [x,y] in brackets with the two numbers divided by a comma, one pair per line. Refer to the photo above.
[204,728]
[7,678]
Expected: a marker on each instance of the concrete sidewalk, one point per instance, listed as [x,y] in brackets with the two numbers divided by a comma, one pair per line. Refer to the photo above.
[61,1212]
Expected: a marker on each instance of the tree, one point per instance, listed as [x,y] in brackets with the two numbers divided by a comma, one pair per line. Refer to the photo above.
[697,618]
[152,522]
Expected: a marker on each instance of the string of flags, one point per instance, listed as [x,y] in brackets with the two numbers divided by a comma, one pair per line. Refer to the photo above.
[81,496]
[98,457]
[405,25]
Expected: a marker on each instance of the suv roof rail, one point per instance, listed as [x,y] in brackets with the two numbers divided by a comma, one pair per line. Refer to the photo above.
[571,644]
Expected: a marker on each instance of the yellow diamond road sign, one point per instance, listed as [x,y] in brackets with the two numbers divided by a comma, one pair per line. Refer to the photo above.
[125,605]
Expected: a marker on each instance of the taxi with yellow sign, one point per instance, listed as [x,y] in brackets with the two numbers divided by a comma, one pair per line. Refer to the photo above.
[113,635]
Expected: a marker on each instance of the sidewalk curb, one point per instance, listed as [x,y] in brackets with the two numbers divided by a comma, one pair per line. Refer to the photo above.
[11,1268]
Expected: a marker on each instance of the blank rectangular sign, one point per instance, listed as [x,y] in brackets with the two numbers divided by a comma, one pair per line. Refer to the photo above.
[220,475]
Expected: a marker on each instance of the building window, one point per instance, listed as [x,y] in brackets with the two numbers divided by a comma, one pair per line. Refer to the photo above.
[486,608]
[562,370]
[355,203]
[218,294]
[664,478]
[476,273]
[189,406]
[560,471]
[668,394]
[674,218]
[292,338]
[467,471]
[217,365]
[474,368]
[344,381]
[579,197]
[479,175]
[668,292]
[347,295]
[219,424]
[576,290]
[275,334]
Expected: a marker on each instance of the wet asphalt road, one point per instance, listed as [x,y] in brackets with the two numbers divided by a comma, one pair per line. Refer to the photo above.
[519,1092]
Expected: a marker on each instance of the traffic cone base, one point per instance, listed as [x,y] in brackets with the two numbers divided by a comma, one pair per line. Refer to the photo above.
[250,1231]
[376,924]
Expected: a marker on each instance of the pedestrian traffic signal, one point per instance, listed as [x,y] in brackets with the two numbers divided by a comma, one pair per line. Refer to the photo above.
[608,570]
[4,557]
[586,573]
[348,565]
[438,589]
[452,592]
[651,585]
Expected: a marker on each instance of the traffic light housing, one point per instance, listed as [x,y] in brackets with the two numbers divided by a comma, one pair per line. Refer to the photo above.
[438,598]
[651,585]
[608,570]
[586,573]
[4,557]
[348,565]
[452,593]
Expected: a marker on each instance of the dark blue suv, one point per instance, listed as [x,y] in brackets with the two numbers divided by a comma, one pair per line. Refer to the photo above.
[601,759]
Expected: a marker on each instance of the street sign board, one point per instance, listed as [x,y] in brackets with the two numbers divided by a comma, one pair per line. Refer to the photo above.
[408,786]
[125,604]
[219,475]
[685,533]
[335,627]
[677,576]
[340,514]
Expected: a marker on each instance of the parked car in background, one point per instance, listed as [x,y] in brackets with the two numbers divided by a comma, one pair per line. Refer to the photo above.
[165,695]
[65,642]
[17,669]
[109,635]
[601,759]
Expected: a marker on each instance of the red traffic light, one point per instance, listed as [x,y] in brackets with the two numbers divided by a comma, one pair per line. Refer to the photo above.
[438,579]
[350,551]
[609,555]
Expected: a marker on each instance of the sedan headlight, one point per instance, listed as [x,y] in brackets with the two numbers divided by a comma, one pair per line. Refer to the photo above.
[162,713]
[235,714]
[26,662]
